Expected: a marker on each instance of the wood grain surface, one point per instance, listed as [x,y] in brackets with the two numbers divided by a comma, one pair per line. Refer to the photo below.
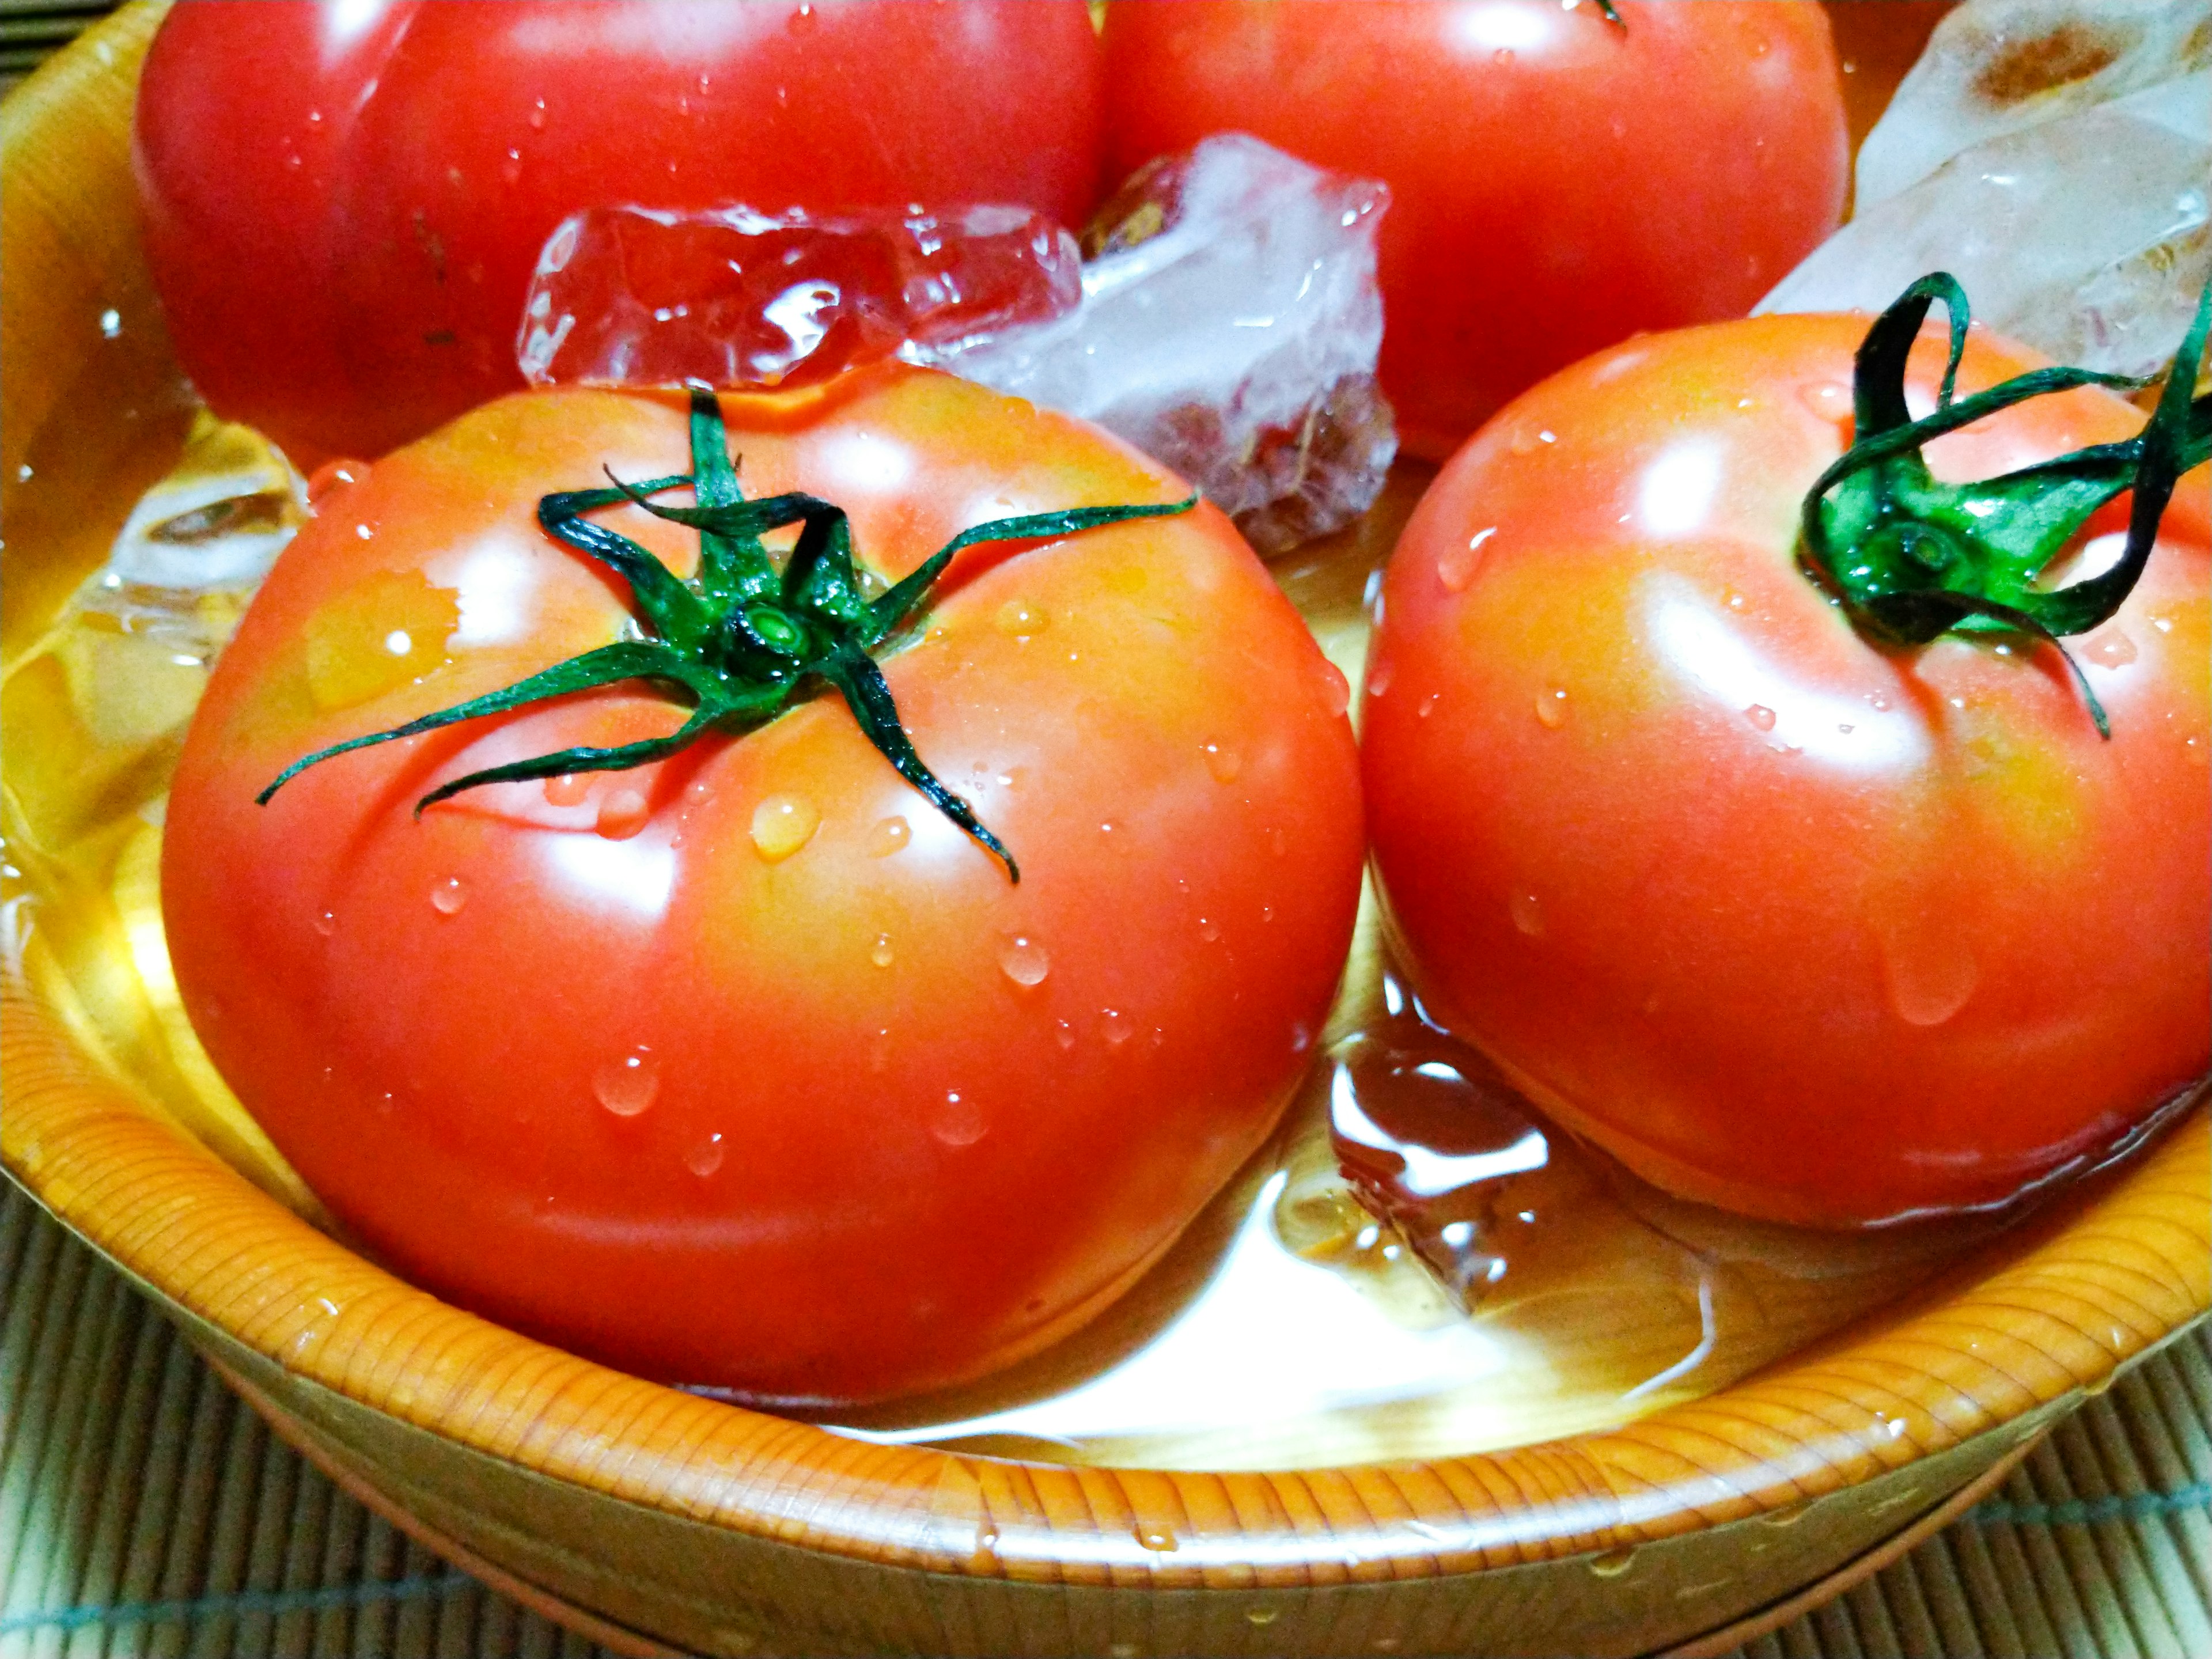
[708,1525]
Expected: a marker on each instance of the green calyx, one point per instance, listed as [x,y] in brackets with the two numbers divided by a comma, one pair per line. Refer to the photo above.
[743,639]
[1909,559]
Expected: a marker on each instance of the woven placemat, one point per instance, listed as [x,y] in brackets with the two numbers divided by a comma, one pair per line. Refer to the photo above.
[145,1510]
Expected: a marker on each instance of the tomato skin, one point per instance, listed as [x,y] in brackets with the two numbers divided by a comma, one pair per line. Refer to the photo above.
[782,1198]
[1556,183]
[1791,923]
[343,207]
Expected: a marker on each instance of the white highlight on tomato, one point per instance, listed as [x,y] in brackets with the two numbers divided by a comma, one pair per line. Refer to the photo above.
[637,874]
[1676,492]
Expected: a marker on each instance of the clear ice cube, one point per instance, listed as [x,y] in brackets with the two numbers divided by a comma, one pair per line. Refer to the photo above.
[2084,235]
[643,296]
[1228,326]
[1993,67]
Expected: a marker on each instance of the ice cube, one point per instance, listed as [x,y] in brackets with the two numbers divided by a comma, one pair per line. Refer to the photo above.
[643,296]
[2084,236]
[1993,67]
[1228,326]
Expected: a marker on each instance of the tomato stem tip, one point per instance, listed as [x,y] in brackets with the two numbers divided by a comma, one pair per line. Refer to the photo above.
[1910,559]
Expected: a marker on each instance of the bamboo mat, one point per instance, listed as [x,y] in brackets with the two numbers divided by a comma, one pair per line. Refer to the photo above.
[145,1510]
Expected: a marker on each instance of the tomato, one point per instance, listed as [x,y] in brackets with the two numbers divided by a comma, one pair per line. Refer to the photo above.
[1793,921]
[342,203]
[750,1067]
[1558,182]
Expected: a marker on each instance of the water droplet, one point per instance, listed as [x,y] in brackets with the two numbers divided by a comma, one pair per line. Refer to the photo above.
[1117,1027]
[1159,1540]
[2164,624]
[803,20]
[1021,619]
[1878,703]
[1552,707]
[1378,676]
[399,642]
[1427,705]
[1336,690]
[538,117]
[1023,961]
[880,952]
[1931,973]
[879,1051]
[1261,1616]
[1829,400]
[447,897]
[327,923]
[1760,716]
[330,475]
[1278,840]
[958,1121]
[2111,649]
[627,1087]
[1613,1563]
[1528,914]
[1503,56]
[782,824]
[888,836]
[986,1553]
[111,320]
[622,813]
[704,1159]
[1064,1035]
[1301,1038]
[569,789]
[1733,600]
[1455,565]
[1209,930]
[1223,764]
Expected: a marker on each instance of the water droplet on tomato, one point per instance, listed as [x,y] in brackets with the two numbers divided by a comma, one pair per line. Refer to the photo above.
[327,923]
[1023,961]
[2111,649]
[1301,1038]
[1455,565]
[569,789]
[782,824]
[447,897]
[1427,705]
[879,1051]
[803,20]
[1021,619]
[958,1121]
[1931,973]
[1064,1035]
[888,837]
[1760,716]
[1223,764]
[538,117]
[1209,930]
[986,1553]
[880,952]
[1527,913]
[333,475]
[1117,1027]
[510,170]
[704,1159]
[627,1087]
[1876,701]
[1552,707]
[1379,675]
[1829,400]
[1336,690]
[622,813]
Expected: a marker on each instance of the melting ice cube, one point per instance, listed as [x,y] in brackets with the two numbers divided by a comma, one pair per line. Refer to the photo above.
[1997,66]
[643,296]
[1229,326]
[2056,156]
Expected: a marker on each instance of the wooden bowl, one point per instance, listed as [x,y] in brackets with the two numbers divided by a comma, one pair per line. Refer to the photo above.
[680,1519]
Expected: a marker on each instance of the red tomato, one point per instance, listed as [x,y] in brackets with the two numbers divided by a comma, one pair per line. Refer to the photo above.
[1809,927]
[749,1068]
[1558,182]
[344,203]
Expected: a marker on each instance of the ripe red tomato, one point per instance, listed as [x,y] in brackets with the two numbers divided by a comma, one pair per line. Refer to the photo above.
[1812,928]
[344,203]
[1556,181]
[749,1068]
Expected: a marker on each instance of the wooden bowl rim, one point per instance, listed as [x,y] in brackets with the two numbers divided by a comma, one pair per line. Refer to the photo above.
[2088,1293]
